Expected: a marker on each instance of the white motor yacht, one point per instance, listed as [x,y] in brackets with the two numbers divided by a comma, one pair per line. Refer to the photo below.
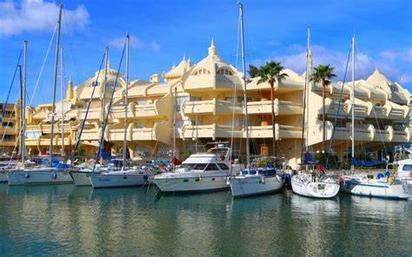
[309,185]
[200,172]
[255,182]
[404,173]
[380,185]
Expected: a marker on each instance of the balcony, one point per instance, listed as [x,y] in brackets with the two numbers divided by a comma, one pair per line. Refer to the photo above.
[118,112]
[281,131]
[213,107]
[361,108]
[94,114]
[281,107]
[8,131]
[46,128]
[161,131]
[91,134]
[209,131]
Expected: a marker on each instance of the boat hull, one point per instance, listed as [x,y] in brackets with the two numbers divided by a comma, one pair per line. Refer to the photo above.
[256,185]
[191,184]
[106,180]
[81,178]
[315,189]
[3,177]
[44,176]
[378,190]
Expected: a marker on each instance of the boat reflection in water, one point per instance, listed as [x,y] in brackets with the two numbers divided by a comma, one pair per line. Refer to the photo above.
[69,220]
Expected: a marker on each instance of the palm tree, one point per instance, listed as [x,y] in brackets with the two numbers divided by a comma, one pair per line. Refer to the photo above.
[271,72]
[323,74]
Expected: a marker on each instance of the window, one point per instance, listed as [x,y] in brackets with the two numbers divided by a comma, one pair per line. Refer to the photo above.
[223,166]
[8,137]
[200,166]
[225,71]
[407,167]
[201,72]
[212,166]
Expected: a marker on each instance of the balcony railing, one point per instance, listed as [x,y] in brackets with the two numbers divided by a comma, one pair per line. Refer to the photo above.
[281,131]
[209,131]
[214,106]
[280,107]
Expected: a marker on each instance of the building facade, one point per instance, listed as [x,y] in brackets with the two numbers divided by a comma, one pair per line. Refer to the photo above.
[194,104]
[9,129]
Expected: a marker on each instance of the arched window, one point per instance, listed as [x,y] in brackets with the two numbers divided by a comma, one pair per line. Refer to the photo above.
[201,72]
[225,71]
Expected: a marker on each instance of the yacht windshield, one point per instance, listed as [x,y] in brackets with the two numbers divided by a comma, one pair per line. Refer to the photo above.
[223,166]
[199,166]
[186,166]
[212,166]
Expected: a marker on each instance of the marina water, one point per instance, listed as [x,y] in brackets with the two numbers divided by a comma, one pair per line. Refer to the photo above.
[65,220]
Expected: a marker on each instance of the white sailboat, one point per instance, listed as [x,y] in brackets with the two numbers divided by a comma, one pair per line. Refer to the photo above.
[81,174]
[126,177]
[314,186]
[380,185]
[252,181]
[53,172]
[305,184]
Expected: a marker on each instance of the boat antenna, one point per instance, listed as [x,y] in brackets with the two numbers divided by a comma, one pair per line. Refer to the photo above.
[242,43]
[125,101]
[56,64]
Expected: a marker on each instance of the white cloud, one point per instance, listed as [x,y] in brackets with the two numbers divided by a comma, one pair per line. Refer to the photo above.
[135,42]
[37,15]
[403,55]
[365,64]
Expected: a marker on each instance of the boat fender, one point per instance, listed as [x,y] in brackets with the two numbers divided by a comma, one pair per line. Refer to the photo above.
[262,180]
[27,175]
[145,177]
[124,177]
[54,176]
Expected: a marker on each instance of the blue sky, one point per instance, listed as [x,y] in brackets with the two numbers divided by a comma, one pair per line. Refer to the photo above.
[164,31]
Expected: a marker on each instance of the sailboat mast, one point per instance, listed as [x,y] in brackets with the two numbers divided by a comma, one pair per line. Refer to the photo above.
[103,95]
[56,64]
[62,102]
[126,93]
[23,104]
[174,124]
[304,145]
[353,101]
[242,42]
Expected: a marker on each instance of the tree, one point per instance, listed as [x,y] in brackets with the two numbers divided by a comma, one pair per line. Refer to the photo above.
[323,74]
[253,71]
[271,72]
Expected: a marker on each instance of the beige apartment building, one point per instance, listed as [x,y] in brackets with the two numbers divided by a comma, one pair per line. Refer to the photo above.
[9,129]
[208,99]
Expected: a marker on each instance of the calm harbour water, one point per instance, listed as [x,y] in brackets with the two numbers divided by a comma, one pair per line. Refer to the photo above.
[67,220]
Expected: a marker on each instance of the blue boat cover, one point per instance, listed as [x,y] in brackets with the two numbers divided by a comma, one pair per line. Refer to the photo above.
[363,163]
[308,159]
